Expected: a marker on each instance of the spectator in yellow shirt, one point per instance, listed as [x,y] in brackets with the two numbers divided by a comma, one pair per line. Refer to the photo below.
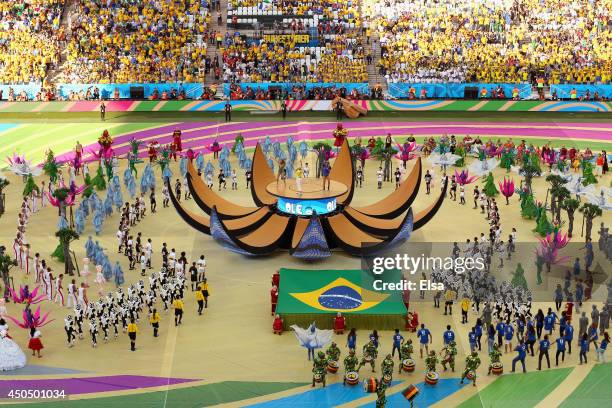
[132,329]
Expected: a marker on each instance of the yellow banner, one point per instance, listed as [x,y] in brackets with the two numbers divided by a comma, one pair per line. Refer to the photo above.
[287,38]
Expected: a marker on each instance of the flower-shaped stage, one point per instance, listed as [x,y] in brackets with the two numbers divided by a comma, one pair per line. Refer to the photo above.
[310,222]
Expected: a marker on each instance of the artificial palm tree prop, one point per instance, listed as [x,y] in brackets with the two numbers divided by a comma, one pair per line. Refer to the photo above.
[62,252]
[589,211]
[3,184]
[570,205]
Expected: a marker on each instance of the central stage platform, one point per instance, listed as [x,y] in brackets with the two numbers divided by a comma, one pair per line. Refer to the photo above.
[306,198]
[307,296]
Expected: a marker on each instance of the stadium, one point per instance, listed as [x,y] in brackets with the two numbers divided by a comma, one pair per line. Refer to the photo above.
[195,194]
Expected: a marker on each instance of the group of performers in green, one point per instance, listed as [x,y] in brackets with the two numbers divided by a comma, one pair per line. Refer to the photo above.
[370,353]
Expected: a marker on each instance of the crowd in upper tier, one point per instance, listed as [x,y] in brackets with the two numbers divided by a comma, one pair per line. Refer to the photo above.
[132,41]
[493,40]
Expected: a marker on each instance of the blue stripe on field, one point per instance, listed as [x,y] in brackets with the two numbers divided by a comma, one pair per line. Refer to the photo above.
[428,394]
[7,126]
[330,396]
[32,369]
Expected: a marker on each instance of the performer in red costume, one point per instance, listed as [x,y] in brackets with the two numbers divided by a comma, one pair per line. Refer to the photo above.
[277,325]
[340,134]
[177,145]
[274,298]
[339,323]
[153,151]
[412,321]
[276,279]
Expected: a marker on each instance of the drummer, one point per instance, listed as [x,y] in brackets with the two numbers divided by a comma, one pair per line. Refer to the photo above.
[431,361]
[350,364]
[450,351]
[319,368]
[333,352]
[387,366]
[471,364]
[495,356]
[406,351]
[369,356]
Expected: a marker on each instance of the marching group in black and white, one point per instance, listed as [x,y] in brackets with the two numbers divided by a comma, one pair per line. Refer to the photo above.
[121,311]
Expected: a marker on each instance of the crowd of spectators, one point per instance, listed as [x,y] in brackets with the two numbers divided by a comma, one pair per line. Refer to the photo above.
[122,41]
[136,41]
[298,92]
[493,40]
[30,36]
[338,59]
[339,10]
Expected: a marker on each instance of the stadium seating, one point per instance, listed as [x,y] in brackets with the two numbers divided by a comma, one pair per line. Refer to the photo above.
[29,39]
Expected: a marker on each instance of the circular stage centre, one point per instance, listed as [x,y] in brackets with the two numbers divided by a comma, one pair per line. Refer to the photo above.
[306,197]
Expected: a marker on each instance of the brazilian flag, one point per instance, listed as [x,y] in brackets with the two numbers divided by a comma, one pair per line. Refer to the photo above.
[308,294]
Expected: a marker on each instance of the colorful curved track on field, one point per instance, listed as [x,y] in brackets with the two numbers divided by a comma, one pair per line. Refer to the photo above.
[34,138]
[589,388]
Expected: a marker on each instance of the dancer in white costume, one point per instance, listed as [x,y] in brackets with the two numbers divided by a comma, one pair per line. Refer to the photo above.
[100,281]
[11,356]
[312,338]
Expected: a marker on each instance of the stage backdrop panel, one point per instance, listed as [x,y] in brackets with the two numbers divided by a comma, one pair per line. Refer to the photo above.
[307,296]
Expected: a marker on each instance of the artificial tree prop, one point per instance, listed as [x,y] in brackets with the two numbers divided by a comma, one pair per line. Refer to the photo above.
[62,251]
[543,226]
[587,174]
[460,151]
[529,209]
[6,264]
[590,211]
[489,188]
[508,158]
[99,182]
[30,186]
[530,169]
[518,277]
[3,184]
[570,205]
[51,167]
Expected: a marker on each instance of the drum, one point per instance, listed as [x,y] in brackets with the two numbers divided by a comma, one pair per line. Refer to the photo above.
[368,359]
[352,378]
[411,392]
[471,375]
[370,385]
[318,378]
[387,379]
[332,367]
[408,365]
[497,368]
[432,378]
